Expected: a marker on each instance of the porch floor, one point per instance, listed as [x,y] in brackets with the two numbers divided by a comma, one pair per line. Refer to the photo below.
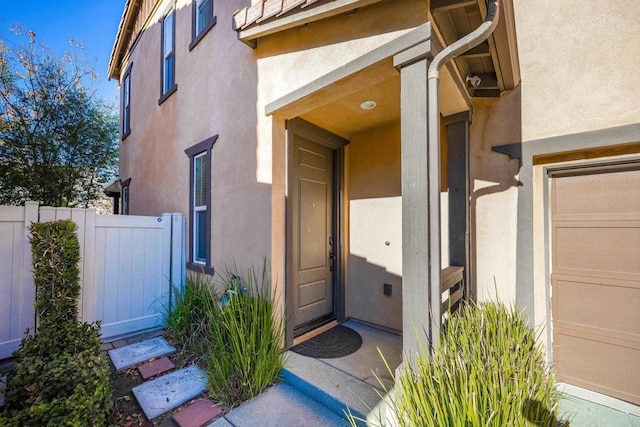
[320,392]
[367,363]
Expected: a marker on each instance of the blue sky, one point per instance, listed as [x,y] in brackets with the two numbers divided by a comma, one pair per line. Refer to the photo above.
[93,23]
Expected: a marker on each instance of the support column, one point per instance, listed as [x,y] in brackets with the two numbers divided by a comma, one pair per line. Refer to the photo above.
[420,218]
[459,213]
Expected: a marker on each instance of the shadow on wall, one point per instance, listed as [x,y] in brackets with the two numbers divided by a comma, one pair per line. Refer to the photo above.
[365,298]
[494,196]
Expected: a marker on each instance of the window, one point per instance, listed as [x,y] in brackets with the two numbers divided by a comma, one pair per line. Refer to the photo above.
[200,205]
[168,67]
[200,188]
[125,196]
[126,103]
[202,20]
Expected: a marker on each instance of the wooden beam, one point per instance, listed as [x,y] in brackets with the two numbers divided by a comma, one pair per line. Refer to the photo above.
[486,93]
[587,153]
[488,81]
[480,51]
[439,5]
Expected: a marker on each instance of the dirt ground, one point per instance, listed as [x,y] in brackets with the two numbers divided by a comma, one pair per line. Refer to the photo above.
[127,412]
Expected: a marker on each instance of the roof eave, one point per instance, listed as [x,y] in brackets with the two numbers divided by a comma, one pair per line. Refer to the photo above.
[124,31]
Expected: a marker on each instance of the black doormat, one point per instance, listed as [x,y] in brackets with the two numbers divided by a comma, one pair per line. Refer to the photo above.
[338,341]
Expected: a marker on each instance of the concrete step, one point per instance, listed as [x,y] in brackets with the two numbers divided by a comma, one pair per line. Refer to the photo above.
[170,391]
[336,390]
[281,405]
[132,354]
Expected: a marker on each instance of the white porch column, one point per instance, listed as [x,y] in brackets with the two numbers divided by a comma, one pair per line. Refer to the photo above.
[420,205]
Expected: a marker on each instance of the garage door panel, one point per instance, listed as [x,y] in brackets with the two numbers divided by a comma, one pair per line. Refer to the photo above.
[592,194]
[607,250]
[595,371]
[598,308]
[595,256]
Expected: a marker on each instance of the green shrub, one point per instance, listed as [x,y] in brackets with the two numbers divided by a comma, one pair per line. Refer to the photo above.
[244,338]
[188,321]
[55,253]
[61,377]
[487,370]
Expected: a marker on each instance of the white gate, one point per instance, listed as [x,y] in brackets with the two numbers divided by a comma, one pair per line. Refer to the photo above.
[127,266]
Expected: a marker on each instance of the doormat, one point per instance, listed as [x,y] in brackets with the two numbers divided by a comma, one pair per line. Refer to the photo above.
[338,341]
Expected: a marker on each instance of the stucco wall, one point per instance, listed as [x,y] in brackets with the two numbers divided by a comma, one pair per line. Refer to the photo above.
[494,196]
[375,219]
[216,95]
[579,63]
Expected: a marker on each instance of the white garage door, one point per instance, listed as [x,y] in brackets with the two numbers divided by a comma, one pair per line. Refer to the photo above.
[596,281]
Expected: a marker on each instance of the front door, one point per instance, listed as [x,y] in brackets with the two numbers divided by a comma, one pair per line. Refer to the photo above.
[312,205]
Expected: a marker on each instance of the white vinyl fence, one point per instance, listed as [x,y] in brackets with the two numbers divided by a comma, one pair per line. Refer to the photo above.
[127,266]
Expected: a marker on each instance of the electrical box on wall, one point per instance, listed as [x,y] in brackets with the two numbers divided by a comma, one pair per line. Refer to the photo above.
[386,289]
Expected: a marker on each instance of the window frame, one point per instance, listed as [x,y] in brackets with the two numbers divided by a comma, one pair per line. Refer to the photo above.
[196,35]
[167,88]
[202,148]
[124,196]
[126,103]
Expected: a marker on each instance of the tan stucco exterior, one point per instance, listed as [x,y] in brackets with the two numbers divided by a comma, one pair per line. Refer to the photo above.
[578,64]
[494,196]
[216,98]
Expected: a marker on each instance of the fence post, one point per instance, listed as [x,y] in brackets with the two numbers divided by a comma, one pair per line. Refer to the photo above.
[167,274]
[177,250]
[31,212]
[88,262]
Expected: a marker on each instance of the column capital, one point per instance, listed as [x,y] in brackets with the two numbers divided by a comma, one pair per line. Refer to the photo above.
[419,52]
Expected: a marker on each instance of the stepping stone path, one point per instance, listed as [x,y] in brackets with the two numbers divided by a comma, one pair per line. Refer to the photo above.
[170,390]
[133,354]
[198,413]
[156,367]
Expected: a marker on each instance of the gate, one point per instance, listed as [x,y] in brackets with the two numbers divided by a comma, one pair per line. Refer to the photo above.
[127,267]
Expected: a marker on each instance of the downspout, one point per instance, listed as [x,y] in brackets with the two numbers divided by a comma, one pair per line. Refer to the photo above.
[466,43]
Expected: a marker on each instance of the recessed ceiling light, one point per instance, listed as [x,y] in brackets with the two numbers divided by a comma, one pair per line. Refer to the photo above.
[368,105]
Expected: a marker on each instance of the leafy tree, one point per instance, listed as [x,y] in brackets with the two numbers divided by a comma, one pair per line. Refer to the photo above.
[58,141]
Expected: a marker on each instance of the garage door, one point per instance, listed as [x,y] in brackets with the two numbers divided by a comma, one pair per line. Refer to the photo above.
[596,281]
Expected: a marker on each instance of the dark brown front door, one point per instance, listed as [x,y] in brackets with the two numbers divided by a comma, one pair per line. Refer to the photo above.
[311,192]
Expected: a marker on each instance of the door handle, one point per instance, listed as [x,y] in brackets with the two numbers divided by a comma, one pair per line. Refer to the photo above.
[332,260]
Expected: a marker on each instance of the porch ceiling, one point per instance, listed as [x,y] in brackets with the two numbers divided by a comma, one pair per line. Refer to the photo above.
[332,102]
[344,117]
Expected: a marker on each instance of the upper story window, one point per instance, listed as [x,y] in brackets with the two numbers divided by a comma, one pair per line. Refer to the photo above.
[168,78]
[126,103]
[202,20]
